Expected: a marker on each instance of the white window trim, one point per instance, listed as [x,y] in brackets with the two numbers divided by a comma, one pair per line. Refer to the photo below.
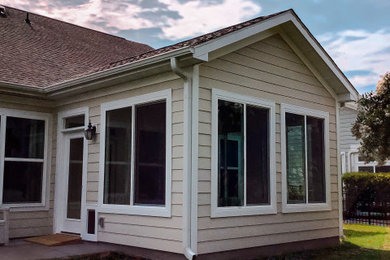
[304,207]
[160,211]
[43,205]
[216,211]
[59,198]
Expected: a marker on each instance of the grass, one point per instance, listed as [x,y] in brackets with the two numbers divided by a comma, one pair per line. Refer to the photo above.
[361,242]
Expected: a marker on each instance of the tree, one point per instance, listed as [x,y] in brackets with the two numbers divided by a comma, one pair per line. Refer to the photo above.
[372,124]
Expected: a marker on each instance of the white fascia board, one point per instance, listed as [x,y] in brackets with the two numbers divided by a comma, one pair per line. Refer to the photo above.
[325,57]
[202,51]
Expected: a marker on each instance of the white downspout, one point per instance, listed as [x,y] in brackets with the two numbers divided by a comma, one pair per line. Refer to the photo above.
[187,177]
[340,187]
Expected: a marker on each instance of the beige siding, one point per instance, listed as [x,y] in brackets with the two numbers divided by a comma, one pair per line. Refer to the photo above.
[32,222]
[270,70]
[143,231]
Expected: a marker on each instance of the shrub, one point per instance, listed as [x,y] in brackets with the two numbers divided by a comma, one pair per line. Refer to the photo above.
[364,189]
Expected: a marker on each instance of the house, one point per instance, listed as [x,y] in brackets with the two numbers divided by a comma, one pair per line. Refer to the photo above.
[221,146]
[349,145]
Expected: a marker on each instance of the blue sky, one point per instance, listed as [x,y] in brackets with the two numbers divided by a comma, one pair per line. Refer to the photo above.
[356,33]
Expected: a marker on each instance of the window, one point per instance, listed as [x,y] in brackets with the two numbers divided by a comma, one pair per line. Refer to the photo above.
[23,162]
[136,171]
[366,168]
[243,155]
[305,161]
[74,121]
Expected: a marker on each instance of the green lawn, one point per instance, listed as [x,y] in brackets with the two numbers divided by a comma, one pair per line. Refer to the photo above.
[361,242]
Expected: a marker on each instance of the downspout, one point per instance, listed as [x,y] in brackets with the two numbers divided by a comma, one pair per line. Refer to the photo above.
[339,181]
[188,143]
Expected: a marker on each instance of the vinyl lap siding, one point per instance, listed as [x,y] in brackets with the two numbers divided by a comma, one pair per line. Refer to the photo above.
[32,222]
[347,140]
[141,231]
[270,70]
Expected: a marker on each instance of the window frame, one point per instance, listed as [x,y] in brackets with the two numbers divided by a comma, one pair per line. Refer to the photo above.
[305,207]
[244,210]
[145,210]
[45,192]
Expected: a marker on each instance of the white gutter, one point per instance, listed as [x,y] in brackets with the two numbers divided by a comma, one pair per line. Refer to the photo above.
[119,69]
[188,158]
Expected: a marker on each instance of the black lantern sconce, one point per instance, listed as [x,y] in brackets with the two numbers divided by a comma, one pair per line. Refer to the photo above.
[90,132]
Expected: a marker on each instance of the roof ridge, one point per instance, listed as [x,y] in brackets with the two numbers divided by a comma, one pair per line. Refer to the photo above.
[72,24]
[250,22]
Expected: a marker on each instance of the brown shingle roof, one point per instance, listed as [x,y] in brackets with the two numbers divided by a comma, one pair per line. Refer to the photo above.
[51,51]
[191,42]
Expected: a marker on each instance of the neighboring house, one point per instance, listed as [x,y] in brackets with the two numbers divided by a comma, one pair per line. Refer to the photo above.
[224,145]
[349,145]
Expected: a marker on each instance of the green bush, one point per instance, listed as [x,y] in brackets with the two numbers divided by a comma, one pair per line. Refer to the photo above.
[365,188]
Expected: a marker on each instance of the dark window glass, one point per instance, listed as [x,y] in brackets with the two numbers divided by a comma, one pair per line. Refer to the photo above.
[257,156]
[385,168]
[74,121]
[230,154]
[150,136]
[75,177]
[295,145]
[24,138]
[22,182]
[366,168]
[117,176]
[315,160]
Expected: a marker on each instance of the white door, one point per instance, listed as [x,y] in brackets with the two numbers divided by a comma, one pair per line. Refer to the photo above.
[74,169]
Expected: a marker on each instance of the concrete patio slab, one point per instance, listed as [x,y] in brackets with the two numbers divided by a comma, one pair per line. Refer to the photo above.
[22,250]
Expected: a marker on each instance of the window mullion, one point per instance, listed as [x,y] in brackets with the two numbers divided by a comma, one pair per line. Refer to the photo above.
[2,151]
[244,154]
[132,159]
[306,164]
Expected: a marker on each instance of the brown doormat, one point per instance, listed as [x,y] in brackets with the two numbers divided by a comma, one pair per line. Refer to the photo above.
[55,239]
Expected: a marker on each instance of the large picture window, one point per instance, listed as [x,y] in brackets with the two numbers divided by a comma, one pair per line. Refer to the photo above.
[244,156]
[23,141]
[304,138]
[136,154]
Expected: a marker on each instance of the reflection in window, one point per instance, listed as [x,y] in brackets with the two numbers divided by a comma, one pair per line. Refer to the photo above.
[74,121]
[23,162]
[118,157]
[22,182]
[75,178]
[366,168]
[150,138]
[149,156]
[385,168]
[230,166]
[295,144]
[24,138]
[305,145]
[231,175]
[315,159]
[257,156]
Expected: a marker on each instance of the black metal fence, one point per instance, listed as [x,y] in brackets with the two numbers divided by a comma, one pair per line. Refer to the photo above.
[366,208]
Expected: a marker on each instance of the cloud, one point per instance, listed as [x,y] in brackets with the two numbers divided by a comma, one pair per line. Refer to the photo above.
[177,19]
[364,52]
[201,17]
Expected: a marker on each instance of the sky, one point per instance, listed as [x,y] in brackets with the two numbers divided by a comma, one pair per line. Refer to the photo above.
[356,33]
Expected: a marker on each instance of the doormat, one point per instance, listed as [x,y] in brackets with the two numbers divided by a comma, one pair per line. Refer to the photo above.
[55,239]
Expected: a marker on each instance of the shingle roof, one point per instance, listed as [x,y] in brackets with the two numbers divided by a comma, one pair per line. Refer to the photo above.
[192,42]
[51,51]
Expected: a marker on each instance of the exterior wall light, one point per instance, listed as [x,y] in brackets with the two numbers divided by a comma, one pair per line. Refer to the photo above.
[90,132]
